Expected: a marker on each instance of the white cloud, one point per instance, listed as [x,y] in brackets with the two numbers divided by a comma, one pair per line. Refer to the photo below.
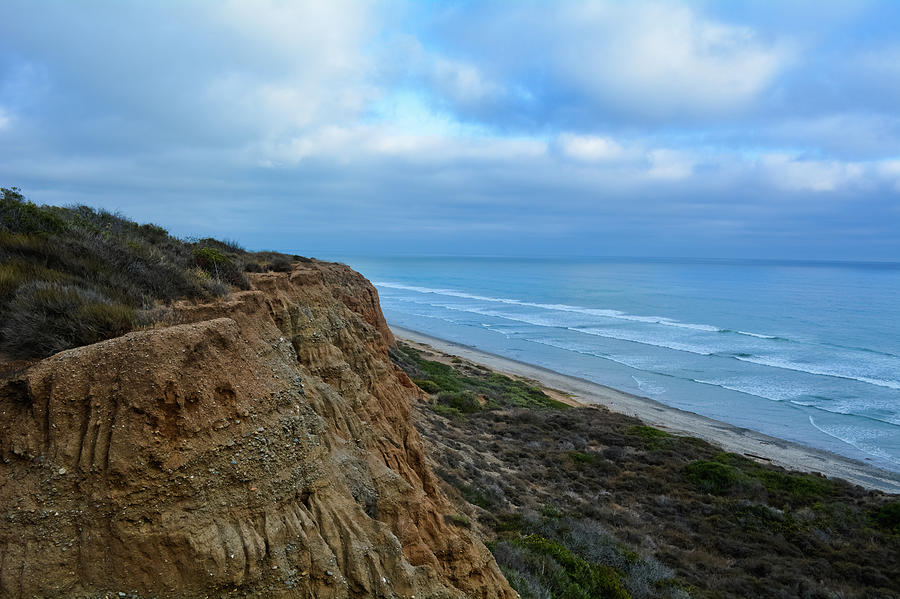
[843,133]
[296,64]
[463,83]
[792,174]
[890,170]
[670,164]
[365,143]
[4,119]
[659,58]
[589,148]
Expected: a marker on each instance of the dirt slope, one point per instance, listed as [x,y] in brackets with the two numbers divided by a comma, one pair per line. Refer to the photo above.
[263,448]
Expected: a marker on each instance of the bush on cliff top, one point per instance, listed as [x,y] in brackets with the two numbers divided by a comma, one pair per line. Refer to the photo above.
[73,276]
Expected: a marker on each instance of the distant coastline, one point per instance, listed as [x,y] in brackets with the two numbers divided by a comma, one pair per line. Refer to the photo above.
[748,442]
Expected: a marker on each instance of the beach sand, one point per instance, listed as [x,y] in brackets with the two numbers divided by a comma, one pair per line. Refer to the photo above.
[752,444]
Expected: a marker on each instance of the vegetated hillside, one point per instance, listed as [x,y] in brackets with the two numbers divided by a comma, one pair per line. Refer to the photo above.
[583,502]
[73,276]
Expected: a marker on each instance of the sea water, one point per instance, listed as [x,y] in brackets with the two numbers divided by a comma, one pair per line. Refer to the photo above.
[808,352]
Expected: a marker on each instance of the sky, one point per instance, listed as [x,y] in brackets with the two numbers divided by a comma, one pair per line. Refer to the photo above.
[660,128]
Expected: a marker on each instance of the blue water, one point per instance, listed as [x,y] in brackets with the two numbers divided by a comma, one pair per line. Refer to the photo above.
[808,352]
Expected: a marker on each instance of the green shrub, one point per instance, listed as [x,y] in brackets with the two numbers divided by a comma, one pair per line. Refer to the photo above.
[582,458]
[427,386]
[475,496]
[465,402]
[653,437]
[21,216]
[796,486]
[497,390]
[577,578]
[648,433]
[785,487]
[712,477]
[219,265]
[887,517]
[446,411]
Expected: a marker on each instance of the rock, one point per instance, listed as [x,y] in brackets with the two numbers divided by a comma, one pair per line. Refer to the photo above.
[134,420]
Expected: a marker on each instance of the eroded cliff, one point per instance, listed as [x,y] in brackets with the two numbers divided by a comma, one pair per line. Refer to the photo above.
[261,448]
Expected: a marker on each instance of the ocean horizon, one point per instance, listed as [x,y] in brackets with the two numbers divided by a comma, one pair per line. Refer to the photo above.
[806,351]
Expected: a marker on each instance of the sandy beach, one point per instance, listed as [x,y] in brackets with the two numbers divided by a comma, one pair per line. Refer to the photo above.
[735,439]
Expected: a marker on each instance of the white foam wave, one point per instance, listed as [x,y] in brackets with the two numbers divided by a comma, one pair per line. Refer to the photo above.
[648,387]
[606,333]
[622,336]
[786,365]
[604,313]
[855,438]
[757,335]
[762,391]
[883,411]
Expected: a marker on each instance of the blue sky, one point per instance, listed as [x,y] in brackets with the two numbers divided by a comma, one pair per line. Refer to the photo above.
[705,129]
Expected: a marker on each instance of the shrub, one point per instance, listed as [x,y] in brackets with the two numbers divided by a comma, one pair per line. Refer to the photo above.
[887,517]
[712,477]
[582,458]
[496,390]
[648,433]
[796,486]
[281,264]
[20,216]
[99,266]
[464,402]
[446,411]
[427,386]
[577,578]
[44,318]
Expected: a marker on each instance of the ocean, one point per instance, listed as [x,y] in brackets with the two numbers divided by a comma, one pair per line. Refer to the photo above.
[807,352]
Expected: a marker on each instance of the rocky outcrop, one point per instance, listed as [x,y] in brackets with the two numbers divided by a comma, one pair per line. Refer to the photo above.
[261,448]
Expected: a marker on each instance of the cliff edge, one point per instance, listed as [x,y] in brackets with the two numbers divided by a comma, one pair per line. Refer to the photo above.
[263,447]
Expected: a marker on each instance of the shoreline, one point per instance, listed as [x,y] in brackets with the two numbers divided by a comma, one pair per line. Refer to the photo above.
[755,445]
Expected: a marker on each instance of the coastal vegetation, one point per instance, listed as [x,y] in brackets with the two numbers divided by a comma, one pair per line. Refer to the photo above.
[459,388]
[73,276]
[583,502]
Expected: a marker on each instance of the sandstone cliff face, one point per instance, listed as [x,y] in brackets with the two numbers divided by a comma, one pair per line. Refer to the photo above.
[264,448]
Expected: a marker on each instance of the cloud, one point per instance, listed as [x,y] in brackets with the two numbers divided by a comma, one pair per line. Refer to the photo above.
[589,148]
[461,82]
[365,144]
[663,119]
[890,170]
[841,134]
[670,164]
[660,58]
[792,174]
[600,63]
[199,73]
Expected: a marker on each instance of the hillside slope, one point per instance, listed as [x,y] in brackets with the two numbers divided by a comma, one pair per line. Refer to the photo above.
[262,447]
